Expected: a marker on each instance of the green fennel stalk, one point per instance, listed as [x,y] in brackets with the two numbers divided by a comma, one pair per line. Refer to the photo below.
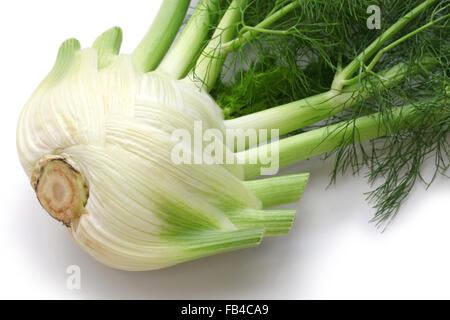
[160,36]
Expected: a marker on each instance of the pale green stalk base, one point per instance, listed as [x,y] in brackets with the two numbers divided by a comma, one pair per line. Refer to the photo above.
[274,222]
[159,38]
[203,244]
[64,61]
[108,46]
[279,190]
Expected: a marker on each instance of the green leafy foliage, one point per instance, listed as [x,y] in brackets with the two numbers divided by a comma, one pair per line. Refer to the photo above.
[299,56]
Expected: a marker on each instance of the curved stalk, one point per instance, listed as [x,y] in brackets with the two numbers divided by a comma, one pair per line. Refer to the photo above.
[210,62]
[161,34]
[180,58]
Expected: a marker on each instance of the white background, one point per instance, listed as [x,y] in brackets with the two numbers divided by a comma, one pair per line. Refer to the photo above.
[331,252]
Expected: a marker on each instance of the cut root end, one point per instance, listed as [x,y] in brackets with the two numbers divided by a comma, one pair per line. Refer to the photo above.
[60,188]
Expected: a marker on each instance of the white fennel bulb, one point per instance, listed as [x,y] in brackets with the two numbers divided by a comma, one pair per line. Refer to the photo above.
[96,141]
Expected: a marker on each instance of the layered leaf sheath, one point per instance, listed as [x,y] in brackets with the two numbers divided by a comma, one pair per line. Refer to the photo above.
[96,141]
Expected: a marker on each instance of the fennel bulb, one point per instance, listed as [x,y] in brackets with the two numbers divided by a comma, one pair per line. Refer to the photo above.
[96,142]
[97,137]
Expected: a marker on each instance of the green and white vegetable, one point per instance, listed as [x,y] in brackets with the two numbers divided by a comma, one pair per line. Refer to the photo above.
[96,137]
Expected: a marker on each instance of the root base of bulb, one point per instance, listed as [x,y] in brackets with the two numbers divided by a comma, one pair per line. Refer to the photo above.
[60,189]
